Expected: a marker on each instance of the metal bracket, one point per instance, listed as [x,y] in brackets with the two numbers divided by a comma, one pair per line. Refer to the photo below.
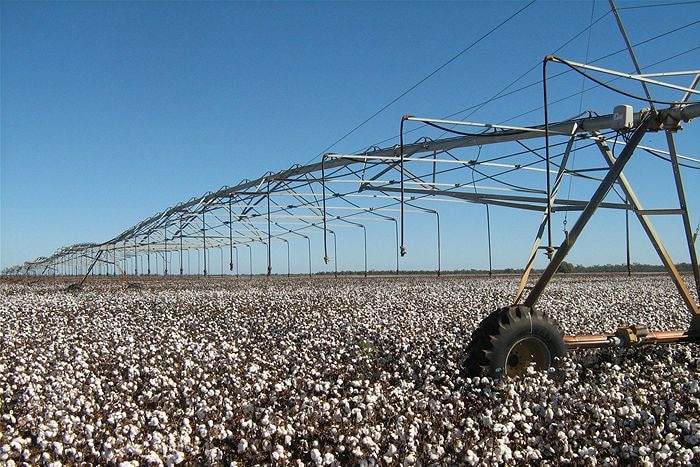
[633,335]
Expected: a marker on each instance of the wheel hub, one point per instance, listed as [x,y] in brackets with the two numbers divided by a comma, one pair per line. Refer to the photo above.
[530,350]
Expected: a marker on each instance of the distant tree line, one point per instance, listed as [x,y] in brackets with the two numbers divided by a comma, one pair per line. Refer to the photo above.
[564,268]
[635,267]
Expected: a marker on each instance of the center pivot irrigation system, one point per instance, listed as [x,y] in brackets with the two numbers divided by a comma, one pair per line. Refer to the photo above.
[508,166]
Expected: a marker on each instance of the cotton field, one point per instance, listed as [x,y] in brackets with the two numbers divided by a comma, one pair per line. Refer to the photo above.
[330,371]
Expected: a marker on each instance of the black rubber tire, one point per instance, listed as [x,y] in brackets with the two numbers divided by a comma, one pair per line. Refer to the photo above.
[511,338]
[694,330]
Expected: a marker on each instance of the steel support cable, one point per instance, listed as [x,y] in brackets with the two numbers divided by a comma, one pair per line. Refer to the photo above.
[462,133]
[663,35]
[488,216]
[269,233]
[530,164]
[571,173]
[312,206]
[547,162]
[389,218]
[580,109]
[323,197]
[614,188]
[562,99]
[520,153]
[659,156]
[230,234]
[494,178]
[499,95]
[437,216]
[344,199]
[136,269]
[287,210]
[371,210]
[472,110]
[614,53]
[528,150]
[630,49]
[401,153]
[430,75]
[614,89]
[165,257]
[510,170]
[586,75]
[595,200]
[402,248]
[217,215]
[658,5]
[204,238]
[364,231]
[628,252]
[532,151]
[325,224]
[181,268]
[313,193]
[628,249]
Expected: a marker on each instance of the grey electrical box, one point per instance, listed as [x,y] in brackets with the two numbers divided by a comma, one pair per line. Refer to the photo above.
[623,117]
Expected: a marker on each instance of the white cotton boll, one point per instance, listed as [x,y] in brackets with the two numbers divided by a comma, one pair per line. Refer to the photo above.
[242,445]
[316,457]
[153,459]
[328,458]
[549,414]
[175,458]
[213,455]
[471,457]
[107,451]
[436,452]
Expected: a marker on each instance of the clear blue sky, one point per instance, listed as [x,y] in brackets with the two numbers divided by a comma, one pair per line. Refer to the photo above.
[113,111]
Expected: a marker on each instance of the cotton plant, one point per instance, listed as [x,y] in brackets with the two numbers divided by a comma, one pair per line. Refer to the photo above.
[332,372]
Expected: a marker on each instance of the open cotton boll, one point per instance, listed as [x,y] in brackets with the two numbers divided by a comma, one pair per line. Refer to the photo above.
[335,371]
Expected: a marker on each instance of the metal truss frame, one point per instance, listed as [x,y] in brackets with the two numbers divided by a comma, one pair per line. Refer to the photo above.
[383,184]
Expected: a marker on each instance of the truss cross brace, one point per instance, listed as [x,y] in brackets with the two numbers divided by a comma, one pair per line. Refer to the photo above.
[651,233]
[546,217]
[597,198]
